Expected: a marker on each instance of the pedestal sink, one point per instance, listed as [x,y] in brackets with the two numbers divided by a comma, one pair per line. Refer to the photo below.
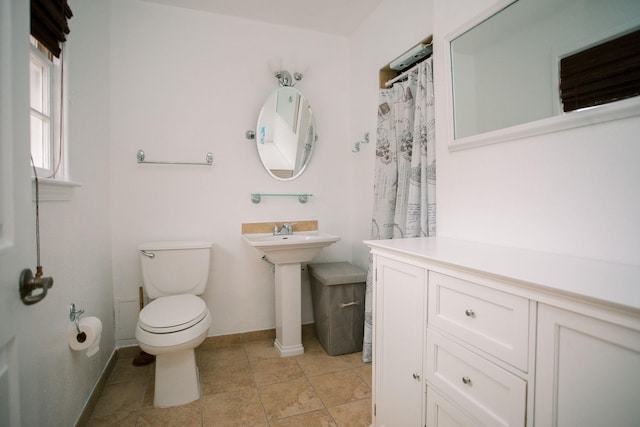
[287,252]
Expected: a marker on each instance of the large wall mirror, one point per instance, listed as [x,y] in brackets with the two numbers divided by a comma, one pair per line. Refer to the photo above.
[504,68]
[285,133]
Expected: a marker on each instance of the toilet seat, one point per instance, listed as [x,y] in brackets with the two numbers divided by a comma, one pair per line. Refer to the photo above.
[173,313]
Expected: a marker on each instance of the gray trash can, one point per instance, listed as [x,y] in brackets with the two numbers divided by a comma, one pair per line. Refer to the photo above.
[337,296]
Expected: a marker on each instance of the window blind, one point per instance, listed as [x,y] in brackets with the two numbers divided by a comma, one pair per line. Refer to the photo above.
[49,23]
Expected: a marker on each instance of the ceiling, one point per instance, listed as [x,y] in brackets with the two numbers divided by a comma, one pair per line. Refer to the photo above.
[339,17]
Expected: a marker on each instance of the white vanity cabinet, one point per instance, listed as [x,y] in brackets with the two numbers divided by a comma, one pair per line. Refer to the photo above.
[467,334]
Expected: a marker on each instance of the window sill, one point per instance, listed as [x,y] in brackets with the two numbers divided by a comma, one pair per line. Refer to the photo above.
[51,190]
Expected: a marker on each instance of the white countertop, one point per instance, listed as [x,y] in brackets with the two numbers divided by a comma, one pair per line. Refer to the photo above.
[607,282]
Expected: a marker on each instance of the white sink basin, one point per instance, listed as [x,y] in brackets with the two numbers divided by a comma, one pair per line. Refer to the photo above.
[293,248]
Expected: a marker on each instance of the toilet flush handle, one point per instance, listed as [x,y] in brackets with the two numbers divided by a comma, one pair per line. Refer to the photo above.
[148,254]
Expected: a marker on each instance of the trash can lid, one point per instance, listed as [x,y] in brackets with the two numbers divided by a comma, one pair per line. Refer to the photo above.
[337,273]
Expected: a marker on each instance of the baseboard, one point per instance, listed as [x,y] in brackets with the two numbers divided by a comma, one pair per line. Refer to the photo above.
[92,401]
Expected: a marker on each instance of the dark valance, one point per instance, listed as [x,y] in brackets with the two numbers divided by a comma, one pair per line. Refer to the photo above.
[49,23]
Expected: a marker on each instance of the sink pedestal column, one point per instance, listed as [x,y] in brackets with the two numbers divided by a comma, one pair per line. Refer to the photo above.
[288,310]
[287,253]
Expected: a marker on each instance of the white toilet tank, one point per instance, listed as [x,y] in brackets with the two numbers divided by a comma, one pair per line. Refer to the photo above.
[174,268]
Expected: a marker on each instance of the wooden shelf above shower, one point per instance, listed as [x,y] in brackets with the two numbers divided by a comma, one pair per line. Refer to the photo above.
[386,73]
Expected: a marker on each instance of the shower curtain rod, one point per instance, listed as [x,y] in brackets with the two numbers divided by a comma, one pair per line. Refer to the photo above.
[404,74]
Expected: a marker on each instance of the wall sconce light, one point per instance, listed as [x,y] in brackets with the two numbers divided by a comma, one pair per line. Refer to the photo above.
[284,77]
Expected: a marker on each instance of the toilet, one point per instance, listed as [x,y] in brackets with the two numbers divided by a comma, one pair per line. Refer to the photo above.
[176,321]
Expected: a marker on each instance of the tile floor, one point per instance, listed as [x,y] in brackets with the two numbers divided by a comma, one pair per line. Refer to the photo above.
[245,383]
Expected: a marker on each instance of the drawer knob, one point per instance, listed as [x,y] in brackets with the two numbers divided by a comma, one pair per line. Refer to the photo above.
[466,380]
[469,312]
[416,376]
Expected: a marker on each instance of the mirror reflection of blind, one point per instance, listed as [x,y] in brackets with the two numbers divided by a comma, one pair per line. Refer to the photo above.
[604,73]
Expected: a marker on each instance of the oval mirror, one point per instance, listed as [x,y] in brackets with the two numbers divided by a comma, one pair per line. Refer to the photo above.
[286,133]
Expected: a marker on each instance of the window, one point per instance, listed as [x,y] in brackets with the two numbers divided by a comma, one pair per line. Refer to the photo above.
[47,132]
[48,32]
[45,102]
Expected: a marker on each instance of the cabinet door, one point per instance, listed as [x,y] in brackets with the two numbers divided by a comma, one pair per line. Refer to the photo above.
[588,371]
[398,343]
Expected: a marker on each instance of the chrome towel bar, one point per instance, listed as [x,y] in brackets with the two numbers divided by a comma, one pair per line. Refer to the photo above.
[208,160]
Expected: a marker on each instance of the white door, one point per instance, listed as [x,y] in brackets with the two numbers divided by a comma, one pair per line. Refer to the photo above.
[18,325]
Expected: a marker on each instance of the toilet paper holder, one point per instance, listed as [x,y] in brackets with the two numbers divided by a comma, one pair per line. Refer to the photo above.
[74,316]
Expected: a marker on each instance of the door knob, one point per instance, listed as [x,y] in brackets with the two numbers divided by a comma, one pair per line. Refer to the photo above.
[29,283]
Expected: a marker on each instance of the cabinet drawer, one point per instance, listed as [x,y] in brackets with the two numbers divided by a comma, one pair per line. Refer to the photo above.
[442,413]
[491,320]
[486,391]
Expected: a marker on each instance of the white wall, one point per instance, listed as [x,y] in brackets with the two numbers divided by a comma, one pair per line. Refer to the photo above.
[571,192]
[185,82]
[75,235]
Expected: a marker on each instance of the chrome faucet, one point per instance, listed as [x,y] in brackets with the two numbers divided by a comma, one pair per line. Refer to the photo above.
[285,230]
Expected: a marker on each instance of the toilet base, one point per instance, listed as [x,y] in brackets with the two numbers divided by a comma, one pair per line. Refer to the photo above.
[176,379]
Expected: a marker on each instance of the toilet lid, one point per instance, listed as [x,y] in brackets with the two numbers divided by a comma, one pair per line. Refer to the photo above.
[172,313]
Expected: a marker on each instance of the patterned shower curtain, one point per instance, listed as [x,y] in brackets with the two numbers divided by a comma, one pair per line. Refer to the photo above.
[405,170]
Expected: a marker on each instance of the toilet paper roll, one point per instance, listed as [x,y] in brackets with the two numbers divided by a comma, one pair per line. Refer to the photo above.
[93,349]
[92,327]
